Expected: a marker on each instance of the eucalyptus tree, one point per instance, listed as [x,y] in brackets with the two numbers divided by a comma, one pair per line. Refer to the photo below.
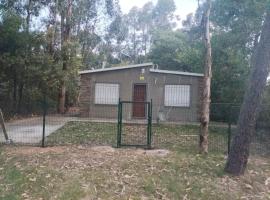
[146,25]
[140,25]
[163,14]
[76,32]
[206,93]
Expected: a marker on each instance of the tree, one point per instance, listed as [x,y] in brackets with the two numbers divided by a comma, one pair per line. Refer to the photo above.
[205,112]
[30,58]
[146,26]
[260,62]
[66,14]
[75,23]
[163,15]
[137,29]
[173,50]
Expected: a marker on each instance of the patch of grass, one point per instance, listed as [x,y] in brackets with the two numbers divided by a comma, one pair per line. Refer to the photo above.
[84,132]
[14,183]
[73,190]
[175,129]
[89,173]
[175,137]
[18,180]
[186,137]
[149,185]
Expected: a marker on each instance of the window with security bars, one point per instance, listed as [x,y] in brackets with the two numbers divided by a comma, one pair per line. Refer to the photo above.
[177,95]
[106,93]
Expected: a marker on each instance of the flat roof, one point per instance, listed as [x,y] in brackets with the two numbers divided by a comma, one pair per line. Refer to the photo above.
[175,72]
[116,68]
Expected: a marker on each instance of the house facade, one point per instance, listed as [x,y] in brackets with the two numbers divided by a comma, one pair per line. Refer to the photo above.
[176,96]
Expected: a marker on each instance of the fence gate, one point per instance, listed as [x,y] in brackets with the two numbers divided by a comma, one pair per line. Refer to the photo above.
[134,126]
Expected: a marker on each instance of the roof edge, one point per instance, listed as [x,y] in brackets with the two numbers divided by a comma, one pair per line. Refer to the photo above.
[176,72]
[116,68]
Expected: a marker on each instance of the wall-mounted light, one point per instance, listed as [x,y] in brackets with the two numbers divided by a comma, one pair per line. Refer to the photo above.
[143,71]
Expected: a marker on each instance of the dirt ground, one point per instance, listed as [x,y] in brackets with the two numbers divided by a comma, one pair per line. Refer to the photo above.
[102,172]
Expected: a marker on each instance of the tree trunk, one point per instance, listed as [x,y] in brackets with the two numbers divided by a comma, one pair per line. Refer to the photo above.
[14,91]
[62,89]
[62,99]
[206,82]
[134,45]
[260,63]
[28,17]
[52,41]
[65,39]
[20,93]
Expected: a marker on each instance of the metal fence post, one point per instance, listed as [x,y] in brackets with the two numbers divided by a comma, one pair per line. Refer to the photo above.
[149,125]
[121,117]
[119,124]
[229,129]
[2,122]
[44,119]
[151,109]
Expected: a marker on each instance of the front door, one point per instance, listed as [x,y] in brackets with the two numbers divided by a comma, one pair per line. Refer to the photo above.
[139,95]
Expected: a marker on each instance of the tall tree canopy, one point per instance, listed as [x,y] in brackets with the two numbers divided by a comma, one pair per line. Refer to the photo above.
[49,41]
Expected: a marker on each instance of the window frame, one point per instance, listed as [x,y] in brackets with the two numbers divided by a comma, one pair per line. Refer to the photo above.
[106,104]
[177,106]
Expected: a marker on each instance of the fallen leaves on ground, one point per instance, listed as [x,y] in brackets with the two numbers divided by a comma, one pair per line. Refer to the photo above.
[103,172]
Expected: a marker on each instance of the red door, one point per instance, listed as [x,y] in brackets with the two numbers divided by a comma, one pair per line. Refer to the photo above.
[139,95]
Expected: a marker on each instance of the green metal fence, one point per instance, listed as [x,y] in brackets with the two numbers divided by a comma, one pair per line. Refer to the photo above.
[50,128]
[145,139]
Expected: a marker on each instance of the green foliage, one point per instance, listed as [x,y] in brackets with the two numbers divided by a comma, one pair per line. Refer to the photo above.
[235,29]
[230,71]
[31,61]
[163,14]
[131,35]
[173,50]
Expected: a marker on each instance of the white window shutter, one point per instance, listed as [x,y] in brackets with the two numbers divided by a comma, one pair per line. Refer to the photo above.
[177,95]
[106,93]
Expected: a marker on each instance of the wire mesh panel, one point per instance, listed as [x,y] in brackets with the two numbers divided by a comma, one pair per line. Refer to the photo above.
[96,124]
[134,124]
[25,129]
[134,134]
[176,136]
[97,127]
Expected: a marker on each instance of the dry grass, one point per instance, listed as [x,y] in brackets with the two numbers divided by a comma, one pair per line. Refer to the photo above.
[102,172]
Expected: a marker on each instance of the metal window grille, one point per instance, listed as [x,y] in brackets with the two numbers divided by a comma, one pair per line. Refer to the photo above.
[177,95]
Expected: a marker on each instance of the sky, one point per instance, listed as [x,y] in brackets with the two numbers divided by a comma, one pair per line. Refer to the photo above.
[184,7]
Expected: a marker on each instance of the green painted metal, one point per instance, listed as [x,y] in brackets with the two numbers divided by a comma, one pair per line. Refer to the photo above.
[150,124]
[120,121]
[120,125]
[44,120]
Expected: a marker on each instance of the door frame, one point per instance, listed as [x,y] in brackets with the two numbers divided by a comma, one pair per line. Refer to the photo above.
[146,93]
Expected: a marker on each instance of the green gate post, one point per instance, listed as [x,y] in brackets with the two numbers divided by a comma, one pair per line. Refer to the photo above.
[151,122]
[44,119]
[121,117]
[118,124]
[149,125]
